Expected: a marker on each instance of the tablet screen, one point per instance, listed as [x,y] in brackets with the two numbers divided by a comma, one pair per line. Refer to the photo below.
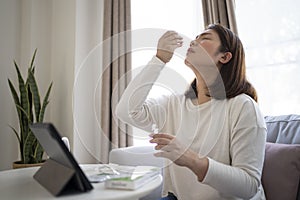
[51,141]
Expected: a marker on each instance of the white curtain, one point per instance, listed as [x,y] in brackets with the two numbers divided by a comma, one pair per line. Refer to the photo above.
[86,90]
[270,32]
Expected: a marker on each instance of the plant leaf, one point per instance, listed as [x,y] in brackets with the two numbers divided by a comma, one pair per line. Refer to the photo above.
[33,69]
[24,104]
[38,152]
[16,98]
[30,102]
[32,60]
[19,140]
[45,103]
[16,133]
[35,94]
[24,114]
[27,147]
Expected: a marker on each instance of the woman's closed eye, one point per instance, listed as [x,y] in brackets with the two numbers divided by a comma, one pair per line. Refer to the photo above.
[201,38]
[205,38]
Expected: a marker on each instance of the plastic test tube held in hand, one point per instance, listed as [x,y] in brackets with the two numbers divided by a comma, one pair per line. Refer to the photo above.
[154,128]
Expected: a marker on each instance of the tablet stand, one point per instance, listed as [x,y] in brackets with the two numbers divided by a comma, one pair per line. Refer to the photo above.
[54,176]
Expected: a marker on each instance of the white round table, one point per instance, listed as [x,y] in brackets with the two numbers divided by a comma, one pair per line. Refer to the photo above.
[19,184]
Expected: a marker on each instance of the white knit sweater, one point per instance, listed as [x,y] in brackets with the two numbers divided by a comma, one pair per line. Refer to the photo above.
[230,132]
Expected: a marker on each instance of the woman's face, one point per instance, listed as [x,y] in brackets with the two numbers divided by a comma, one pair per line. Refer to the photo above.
[203,56]
[205,44]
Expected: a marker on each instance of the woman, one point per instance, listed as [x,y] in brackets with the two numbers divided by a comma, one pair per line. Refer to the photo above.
[214,135]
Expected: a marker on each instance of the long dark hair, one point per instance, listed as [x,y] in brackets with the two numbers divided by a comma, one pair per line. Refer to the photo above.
[233,73]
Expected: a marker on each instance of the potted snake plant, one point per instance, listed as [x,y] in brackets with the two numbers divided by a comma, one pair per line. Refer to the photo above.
[30,109]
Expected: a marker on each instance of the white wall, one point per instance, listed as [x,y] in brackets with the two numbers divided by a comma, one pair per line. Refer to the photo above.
[10,20]
[89,16]
[50,26]
[62,65]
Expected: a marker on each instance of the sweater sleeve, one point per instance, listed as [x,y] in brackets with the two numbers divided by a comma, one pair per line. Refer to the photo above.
[133,108]
[248,136]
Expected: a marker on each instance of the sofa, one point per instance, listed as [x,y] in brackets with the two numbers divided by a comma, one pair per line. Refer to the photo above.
[281,171]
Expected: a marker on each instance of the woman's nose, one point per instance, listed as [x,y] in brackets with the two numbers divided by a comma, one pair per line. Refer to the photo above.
[193,43]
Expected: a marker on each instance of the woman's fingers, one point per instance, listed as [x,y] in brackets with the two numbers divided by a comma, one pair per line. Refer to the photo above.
[174,38]
[160,141]
[163,135]
[169,147]
[165,142]
[164,44]
[169,33]
[158,147]
[167,44]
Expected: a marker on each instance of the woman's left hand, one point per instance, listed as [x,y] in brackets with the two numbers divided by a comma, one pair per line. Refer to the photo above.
[171,148]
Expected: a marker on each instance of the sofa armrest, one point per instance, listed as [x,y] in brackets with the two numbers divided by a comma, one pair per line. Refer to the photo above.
[135,155]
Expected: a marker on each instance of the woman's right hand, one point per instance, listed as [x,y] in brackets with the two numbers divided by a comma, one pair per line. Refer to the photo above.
[167,45]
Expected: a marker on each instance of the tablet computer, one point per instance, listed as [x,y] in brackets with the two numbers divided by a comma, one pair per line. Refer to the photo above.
[61,171]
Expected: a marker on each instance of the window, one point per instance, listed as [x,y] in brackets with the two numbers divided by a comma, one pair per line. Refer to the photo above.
[157,17]
[270,32]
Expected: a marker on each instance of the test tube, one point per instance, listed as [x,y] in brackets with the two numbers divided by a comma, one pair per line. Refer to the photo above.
[154,128]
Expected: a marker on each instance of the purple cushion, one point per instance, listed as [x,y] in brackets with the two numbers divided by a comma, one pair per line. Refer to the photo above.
[281,171]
